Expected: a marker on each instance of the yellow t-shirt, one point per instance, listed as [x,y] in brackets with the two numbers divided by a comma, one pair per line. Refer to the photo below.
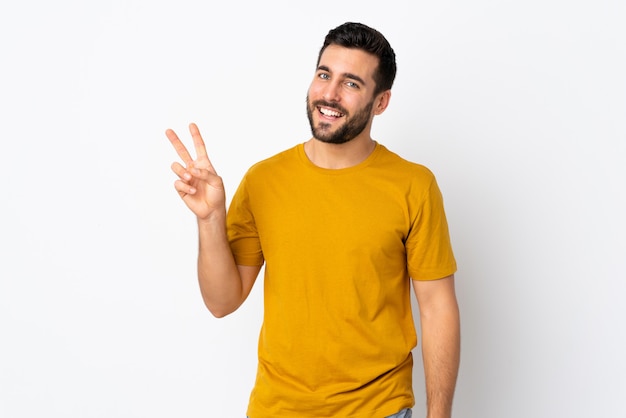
[339,247]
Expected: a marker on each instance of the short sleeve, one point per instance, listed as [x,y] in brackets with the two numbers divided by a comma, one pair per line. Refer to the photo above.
[241,228]
[428,246]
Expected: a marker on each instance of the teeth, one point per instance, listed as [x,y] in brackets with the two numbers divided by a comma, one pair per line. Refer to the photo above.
[329,112]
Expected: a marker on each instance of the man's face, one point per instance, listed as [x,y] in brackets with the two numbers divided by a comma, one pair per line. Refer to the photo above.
[341,96]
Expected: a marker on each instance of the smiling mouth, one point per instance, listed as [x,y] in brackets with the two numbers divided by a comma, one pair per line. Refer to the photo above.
[329,112]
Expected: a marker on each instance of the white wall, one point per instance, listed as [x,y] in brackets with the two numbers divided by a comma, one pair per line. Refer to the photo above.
[518,107]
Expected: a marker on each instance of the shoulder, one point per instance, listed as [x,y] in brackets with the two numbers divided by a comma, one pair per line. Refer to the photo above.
[287,156]
[396,165]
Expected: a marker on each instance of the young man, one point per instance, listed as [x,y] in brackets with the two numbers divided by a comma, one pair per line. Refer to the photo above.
[343,226]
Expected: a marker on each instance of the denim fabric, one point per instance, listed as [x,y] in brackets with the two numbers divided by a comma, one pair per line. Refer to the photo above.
[405,413]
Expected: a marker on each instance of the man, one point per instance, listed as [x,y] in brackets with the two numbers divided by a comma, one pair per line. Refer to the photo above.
[342,225]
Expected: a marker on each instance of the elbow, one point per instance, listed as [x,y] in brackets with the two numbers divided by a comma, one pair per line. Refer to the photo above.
[220,311]
[218,314]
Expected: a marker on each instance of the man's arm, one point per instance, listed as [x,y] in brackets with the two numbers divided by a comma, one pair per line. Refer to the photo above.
[440,323]
[223,284]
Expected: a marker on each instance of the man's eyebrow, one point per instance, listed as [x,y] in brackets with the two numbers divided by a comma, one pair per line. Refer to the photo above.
[345,75]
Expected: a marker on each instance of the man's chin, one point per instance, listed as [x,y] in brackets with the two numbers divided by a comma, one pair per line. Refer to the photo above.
[325,133]
[331,139]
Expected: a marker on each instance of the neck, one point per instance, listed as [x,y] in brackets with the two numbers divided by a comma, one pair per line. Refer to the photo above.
[337,156]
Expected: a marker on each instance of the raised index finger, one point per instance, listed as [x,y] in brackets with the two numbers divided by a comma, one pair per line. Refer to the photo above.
[179,147]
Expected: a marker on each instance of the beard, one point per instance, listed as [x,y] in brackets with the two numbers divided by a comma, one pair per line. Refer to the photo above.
[350,129]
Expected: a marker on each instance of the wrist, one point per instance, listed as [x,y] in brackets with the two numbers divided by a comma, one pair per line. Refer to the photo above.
[214,221]
[216,216]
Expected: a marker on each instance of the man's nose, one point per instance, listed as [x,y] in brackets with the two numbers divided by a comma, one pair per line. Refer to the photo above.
[332,92]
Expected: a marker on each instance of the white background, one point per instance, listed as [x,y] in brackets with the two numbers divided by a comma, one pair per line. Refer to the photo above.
[517,106]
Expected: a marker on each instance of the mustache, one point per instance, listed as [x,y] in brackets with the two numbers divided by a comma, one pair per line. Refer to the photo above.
[331,105]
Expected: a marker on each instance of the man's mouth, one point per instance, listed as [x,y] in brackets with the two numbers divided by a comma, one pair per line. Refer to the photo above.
[329,112]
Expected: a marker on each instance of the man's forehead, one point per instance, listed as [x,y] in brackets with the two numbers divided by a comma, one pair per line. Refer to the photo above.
[336,58]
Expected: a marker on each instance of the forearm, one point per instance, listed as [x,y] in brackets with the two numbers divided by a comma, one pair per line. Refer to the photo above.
[441,355]
[220,282]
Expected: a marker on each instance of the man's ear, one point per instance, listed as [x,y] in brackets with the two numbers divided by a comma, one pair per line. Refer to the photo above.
[381,102]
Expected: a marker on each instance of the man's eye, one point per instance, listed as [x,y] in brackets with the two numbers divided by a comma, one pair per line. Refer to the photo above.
[324,76]
[352,84]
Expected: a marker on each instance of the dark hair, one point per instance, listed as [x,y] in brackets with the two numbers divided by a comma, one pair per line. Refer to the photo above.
[360,36]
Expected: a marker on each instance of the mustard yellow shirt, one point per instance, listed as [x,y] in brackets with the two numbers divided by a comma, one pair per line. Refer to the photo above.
[339,248]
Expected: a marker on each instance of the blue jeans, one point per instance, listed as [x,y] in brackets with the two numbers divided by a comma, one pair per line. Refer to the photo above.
[405,413]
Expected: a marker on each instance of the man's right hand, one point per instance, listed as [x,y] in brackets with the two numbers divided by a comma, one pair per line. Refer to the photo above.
[198,184]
